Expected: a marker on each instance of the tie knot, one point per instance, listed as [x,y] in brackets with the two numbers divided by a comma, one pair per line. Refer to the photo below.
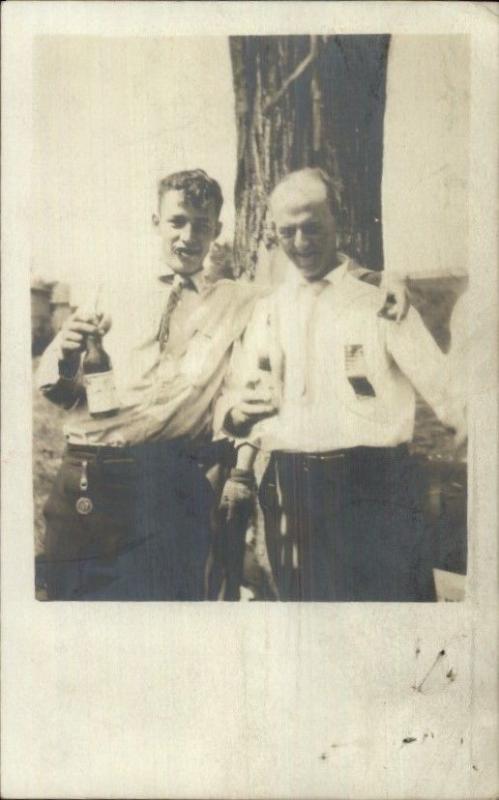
[178,282]
[181,282]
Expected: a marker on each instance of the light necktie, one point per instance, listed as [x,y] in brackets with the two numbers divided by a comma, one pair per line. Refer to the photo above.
[179,283]
[310,295]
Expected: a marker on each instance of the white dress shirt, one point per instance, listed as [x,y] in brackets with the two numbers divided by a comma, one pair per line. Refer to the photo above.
[344,376]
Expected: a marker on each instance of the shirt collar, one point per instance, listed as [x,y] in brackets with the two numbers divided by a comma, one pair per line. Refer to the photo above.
[198,280]
[333,276]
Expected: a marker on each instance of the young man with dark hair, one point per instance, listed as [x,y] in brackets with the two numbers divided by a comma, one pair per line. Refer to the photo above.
[197,187]
[129,516]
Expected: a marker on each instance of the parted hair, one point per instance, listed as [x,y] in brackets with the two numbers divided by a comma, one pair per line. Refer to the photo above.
[197,186]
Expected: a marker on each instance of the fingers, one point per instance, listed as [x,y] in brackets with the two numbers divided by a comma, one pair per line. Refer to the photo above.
[250,416]
[226,510]
[72,343]
[405,308]
[72,346]
[256,408]
[73,335]
[395,308]
[388,309]
[80,325]
[88,322]
[260,396]
[104,323]
[401,307]
[387,313]
[83,314]
[76,327]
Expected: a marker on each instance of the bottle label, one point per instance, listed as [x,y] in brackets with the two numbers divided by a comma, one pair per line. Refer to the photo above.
[101,392]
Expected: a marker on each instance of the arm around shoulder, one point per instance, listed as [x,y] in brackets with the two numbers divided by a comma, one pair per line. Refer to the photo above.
[429,370]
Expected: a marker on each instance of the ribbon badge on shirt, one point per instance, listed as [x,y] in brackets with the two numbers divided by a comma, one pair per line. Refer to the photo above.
[356,369]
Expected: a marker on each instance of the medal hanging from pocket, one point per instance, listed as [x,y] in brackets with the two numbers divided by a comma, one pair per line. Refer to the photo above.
[84,504]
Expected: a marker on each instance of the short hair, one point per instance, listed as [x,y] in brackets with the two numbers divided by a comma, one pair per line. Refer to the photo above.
[333,186]
[197,186]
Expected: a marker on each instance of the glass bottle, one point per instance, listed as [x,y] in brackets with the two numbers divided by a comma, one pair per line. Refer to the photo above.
[98,374]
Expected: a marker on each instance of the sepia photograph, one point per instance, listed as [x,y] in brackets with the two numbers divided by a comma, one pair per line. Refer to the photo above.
[249,318]
[249,400]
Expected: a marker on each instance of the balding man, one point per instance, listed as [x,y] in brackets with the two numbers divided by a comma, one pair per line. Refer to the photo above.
[340,495]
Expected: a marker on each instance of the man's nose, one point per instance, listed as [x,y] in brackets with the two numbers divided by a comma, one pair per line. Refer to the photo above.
[300,239]
[188,233]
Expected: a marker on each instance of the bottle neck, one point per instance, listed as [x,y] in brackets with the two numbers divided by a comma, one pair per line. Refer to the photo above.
[95,358]
[94,342]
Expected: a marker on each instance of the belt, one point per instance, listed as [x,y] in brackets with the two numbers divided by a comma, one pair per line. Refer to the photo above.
[206,453]
[348,453]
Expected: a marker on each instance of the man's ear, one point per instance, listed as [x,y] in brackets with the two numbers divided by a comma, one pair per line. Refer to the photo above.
[218,229]
[155,220]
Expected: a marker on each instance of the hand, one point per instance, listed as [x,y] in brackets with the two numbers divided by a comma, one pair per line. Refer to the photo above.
[237,499]
[255,403]
[396,303]
[75,330]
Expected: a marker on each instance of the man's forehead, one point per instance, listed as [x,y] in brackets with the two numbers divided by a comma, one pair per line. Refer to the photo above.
[299,209]
[303,197]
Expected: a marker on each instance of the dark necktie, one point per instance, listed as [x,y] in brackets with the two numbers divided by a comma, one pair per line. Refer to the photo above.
[178,284]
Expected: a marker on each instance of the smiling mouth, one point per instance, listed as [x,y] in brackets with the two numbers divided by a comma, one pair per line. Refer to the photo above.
[184,252]
[309,254]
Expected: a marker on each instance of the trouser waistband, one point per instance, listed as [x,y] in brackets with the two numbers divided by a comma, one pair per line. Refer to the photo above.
[205,453]
[346,454]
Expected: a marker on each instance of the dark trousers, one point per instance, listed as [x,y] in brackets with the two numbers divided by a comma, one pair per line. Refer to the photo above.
[347,526]
[147,536]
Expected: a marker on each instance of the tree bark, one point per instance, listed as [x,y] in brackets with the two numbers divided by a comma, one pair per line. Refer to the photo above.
[309,101]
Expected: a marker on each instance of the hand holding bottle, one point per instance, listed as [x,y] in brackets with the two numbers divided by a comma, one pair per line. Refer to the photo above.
[77,327]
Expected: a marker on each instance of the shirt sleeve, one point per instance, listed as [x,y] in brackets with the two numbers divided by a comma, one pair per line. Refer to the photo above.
[54,381]
[249,354]
[430,371]
[366,275]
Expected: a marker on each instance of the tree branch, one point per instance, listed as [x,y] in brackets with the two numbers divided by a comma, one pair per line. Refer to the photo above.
[300,69]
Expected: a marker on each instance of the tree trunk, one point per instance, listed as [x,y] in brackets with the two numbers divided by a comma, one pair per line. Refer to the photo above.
[310,101]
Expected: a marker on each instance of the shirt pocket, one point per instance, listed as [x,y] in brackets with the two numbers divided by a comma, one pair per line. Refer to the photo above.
[357,372]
